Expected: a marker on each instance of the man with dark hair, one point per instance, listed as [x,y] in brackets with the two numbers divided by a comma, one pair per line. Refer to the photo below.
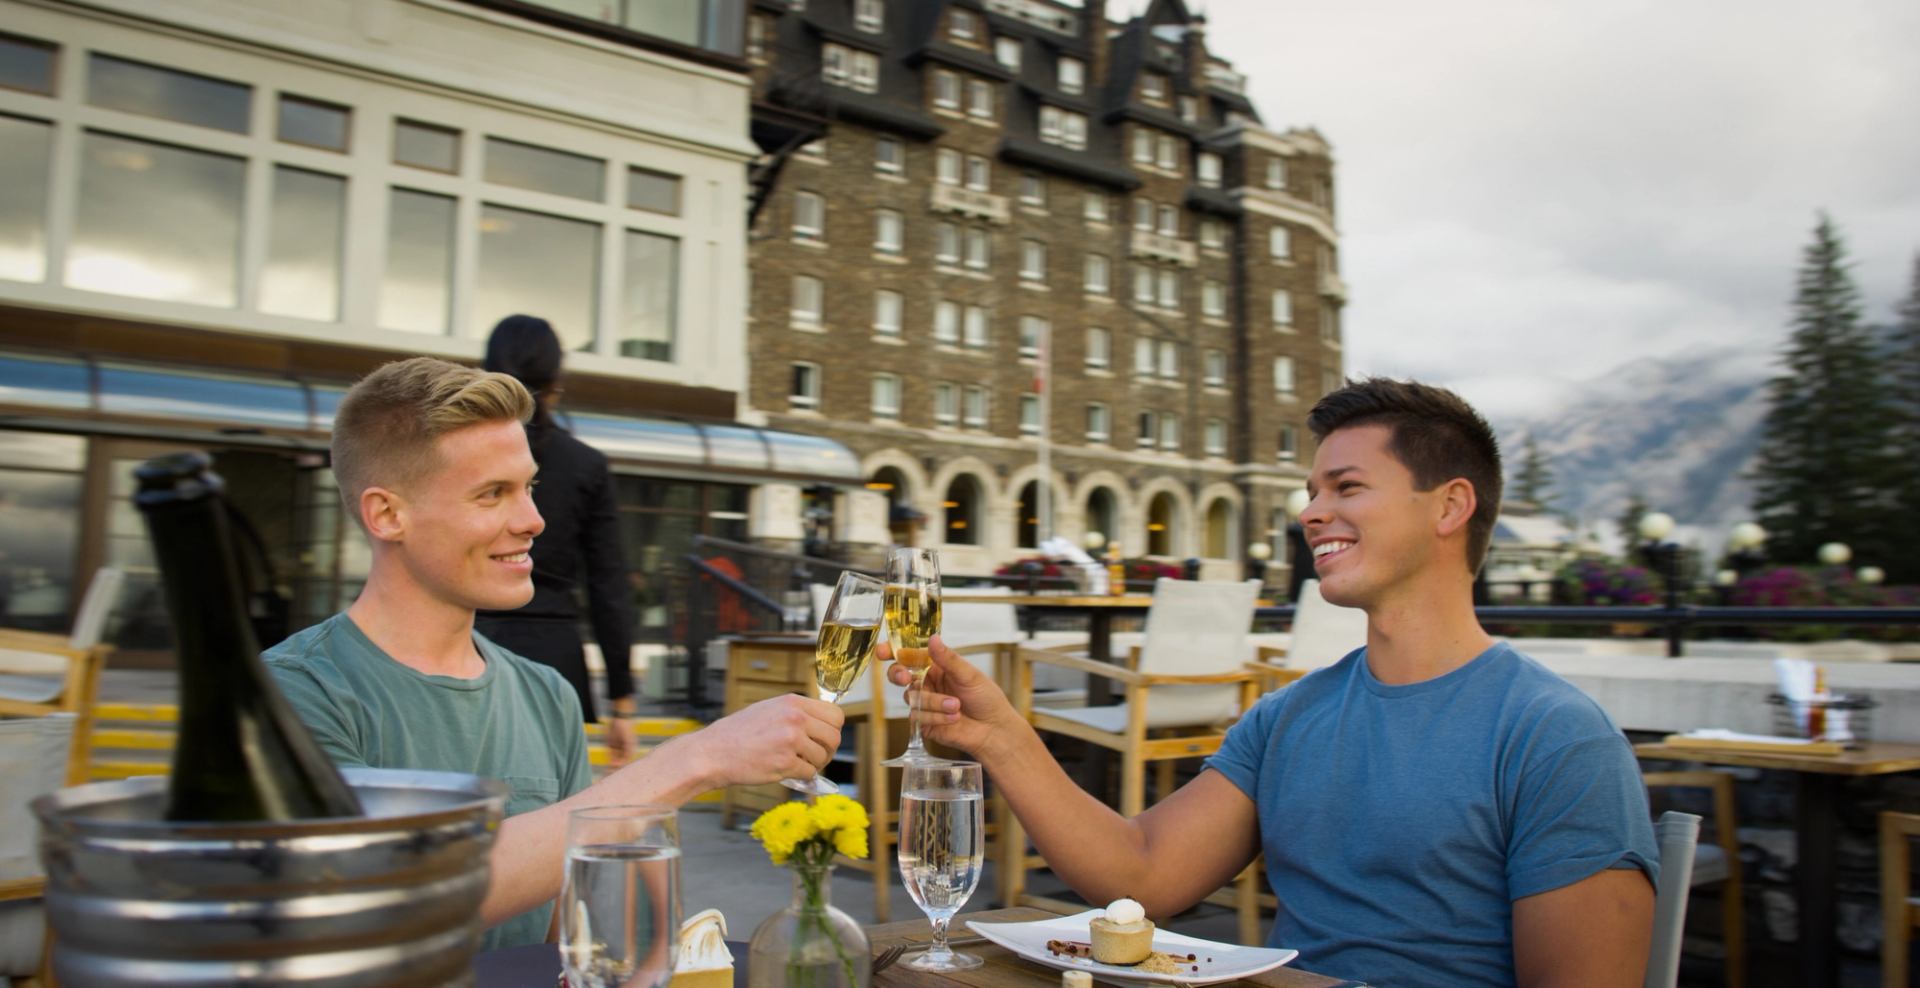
[1435,808]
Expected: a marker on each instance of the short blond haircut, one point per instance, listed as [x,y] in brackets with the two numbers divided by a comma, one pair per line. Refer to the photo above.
[385,430]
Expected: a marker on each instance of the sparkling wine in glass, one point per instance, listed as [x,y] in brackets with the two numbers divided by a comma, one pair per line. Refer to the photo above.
[620,898]
[942,851]
[848,632]
[913,618]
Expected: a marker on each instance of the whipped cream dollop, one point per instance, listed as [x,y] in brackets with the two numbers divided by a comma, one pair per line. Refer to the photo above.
[703,942]
[1125,911]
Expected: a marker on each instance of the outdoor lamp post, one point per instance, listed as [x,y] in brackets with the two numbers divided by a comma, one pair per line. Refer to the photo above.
[1299,555]
[1745,550]
[1094,541]
[1664,557]
[1836,554]
[1871,575]
[1257,555]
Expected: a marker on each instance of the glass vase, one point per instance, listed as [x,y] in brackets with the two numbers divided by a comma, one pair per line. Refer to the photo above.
[809,944]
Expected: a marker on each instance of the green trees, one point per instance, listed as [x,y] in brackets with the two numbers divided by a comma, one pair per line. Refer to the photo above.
[1533,478]
[1827,469]
[1903,375]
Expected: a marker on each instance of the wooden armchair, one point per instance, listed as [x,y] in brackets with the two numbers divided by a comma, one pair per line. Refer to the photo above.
[1718,861]
[32,763]
[43,674]
[1899,906]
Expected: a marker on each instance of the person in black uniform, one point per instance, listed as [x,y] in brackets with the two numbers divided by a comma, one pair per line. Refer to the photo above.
[580,548]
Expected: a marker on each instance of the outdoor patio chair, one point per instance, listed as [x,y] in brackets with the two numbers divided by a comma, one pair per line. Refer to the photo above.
[43,673]
[33,759]
[1899,906]
[1677,834]
[1717,862]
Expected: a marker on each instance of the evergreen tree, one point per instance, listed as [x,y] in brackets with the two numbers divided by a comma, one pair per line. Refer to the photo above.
[1825,473]
[1533,482]
[1903,390]
[1629,520]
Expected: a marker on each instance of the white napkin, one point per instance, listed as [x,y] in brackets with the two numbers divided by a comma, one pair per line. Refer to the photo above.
[1065,550]
[1796,678]
[1719,734]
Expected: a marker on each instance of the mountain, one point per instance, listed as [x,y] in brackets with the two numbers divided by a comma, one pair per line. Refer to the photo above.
[1679,431]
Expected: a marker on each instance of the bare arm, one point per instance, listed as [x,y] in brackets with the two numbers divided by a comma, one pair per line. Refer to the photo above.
[1595,932]
[785,736]
[1168,858]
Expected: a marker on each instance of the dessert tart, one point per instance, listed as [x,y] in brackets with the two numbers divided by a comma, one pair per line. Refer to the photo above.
[705,961]
[1124,935]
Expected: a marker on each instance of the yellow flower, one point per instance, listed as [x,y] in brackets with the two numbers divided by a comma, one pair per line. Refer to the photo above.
[835,813]
[851,842]
[781,829]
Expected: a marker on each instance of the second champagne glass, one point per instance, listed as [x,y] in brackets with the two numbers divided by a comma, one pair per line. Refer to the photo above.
[848,632]
[913,618]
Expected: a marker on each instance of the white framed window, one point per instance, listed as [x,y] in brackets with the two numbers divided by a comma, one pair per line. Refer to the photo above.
[978,335]
[979,173]
[1063,127]
[1166,154]
[946,244]
[1276,173]
[1169,368]
[946,322]
[1213,298]
[947,166]
[866,72]
[889,156]
[1142,146]
[1289,447]
[1213,233]
[1283,384]
[1143,357]
[889,231]
[804,389]
[1329,323]
[1170,433]
[1029,415]
[1207,170]
[973,407]
[1169,285]
[1189,109]
[850,67]
[980,99]
[757,38]
[1283,308]
[1280,243]
[946,89]
[1099,276]
[887,309]
[1033,189]
[1216,437]
[1099,423]
[1071,74]
[1215,369]
[1169,221]
[1147,434]
[1153,87]
[1099,348]
[886,396]
[1142,284]
[869,15]
[1094,208]
[809,298]
[965,26]
[1143,214]
[1006,51]
[1033,261]
[978,250]
[809,216]
[946,404]
[1033,329]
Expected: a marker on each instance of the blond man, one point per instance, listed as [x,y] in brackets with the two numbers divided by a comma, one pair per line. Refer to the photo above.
[433,464]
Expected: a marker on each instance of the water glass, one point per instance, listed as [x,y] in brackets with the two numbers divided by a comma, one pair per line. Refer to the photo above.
[620,899]
[943,848]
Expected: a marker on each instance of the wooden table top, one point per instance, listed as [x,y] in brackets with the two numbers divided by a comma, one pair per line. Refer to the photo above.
[1874,758]
[1005,969]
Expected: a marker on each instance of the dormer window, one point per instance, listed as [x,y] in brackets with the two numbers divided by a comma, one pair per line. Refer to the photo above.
[869,15]
[965,26]
[1006,51]
[1072,75]
[1189,109]
[1208,168]
[1153,87]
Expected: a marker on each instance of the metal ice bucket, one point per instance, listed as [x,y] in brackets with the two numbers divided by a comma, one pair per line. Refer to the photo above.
[389,899]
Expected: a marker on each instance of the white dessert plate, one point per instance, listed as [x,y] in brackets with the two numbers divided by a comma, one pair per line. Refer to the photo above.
[1217,961]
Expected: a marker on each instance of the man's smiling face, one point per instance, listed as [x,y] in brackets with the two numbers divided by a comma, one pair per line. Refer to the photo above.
[470,520]
[1370,530]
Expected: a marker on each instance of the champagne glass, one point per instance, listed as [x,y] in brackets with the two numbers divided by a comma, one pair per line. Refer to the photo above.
[848,632]
[942,851]
[913,618]
[620,898]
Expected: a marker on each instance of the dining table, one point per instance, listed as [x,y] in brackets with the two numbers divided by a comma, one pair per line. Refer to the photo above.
[1098,609]
[1817,781]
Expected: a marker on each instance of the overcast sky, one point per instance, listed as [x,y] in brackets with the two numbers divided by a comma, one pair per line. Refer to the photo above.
[1533,192]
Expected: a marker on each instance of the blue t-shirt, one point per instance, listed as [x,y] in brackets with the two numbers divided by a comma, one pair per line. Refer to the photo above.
[1401,822]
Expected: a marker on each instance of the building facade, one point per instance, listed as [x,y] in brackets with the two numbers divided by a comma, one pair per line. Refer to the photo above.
[215,214]
[985,227]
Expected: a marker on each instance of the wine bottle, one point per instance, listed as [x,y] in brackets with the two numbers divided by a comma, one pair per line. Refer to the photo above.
[242,753]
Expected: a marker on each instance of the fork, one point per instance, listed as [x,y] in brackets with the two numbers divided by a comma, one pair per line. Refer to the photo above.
[886,958]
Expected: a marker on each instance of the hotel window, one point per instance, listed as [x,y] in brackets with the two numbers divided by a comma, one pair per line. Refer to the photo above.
[1280,243]
[947,166]
[1283,376]
[887,307]
[1329,323]
[946,89]
[979,173]
[26,65]
[1213,298]
[1169,221]
[850,67]
[168,94]
[1033,261]
[973,407]
[886,396]
[1099,423]
[1213,233]
[1289,450]
[1166,153]
[1006,51]
[305,244]
[1276,173]
[655,192]
[808,296]
[980,99]
[1153,87]
[1029,415]
[1143,284]
[1169,284]
[1208,170]
[1033,189]
[809,216]
[889,156]
[1072,75]
[1169,368]
[1283,308]
[965,26]
[946,322]
[1170,433]
[1033,330]
[869,15]
[420,145]
[1099,348]
[1143,357]
[1216,437]
[533,262]
[1143,214]
[805,389]
[1148,434]
[976,328]
[181,244]
[416,288]
[1215,369]
[1094,208]
[1063,127]
[1142,146]
[889,232]
[307,122]
[1099,275]
[538,169]
[26,167]
[946,244]
[977,252]
[866,72]
[1189,109]
[946,404]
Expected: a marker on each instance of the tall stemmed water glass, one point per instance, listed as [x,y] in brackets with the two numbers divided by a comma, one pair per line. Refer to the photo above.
[913,618]
[942,851]
[848,632]
[620,898]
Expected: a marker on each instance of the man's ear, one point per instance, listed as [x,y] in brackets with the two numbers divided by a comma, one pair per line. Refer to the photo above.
[383,514]
[1457,504]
